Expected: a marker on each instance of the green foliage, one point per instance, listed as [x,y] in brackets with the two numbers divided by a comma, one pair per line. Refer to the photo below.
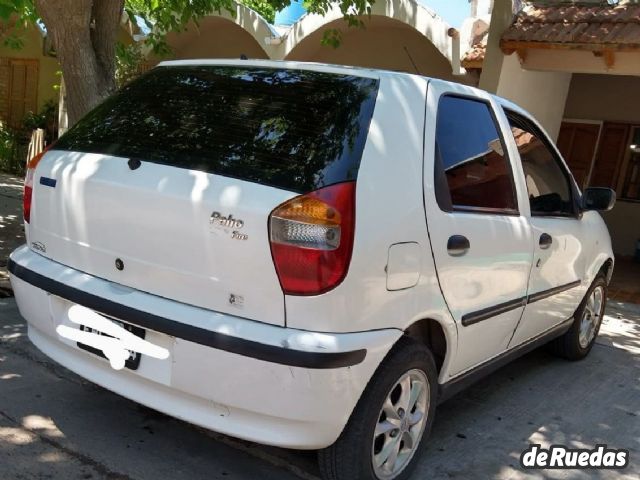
[24,15]
[174,15]
[171,16]
[58,85]
[163,16]
[13,150]
[352,12]
[46,119]
[129,62]
[266,9]
[13,41]
[24,10]
[14,142]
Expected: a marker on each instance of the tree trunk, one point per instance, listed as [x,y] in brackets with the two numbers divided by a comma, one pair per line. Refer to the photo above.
[84,36]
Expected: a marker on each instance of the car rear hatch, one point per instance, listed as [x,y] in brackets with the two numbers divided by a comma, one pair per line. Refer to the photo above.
[167,186]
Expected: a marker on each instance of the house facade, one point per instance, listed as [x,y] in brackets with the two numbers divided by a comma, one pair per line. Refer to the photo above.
[28,75]
[401,35]
[576,67]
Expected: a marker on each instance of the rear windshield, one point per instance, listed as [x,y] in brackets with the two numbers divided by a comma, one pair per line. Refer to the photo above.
[292,129]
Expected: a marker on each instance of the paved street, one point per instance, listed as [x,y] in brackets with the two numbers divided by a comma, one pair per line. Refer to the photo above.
[55,425]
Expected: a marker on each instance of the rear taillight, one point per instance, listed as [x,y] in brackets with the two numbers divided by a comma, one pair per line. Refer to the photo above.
[28,184]
[312,239]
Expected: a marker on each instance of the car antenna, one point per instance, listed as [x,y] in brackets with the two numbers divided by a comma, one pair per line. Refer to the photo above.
[411,59]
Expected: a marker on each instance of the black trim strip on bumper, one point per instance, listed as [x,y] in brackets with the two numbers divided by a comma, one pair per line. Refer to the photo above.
[486,313]
[208,338]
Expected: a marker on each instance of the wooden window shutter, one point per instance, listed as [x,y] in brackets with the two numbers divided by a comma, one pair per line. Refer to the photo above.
[23,90]
[613,144]
[577,143]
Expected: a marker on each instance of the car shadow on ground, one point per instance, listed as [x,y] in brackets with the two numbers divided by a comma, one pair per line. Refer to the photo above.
[53,421]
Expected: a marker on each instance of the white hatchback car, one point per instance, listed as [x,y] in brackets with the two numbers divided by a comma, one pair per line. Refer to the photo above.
[305,255]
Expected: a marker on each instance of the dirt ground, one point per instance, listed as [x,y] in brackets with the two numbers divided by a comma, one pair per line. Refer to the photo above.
[11,227]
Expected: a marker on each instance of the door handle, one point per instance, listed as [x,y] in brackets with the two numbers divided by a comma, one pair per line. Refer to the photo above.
[458,245]
[545,241]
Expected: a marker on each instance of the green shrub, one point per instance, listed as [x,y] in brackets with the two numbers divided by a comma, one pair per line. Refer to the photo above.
[14,142]
[47,119]
[13,150]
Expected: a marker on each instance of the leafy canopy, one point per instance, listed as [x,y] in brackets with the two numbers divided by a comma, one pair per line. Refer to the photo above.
[163,16]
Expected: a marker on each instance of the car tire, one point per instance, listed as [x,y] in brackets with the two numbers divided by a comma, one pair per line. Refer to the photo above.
[369,428]
[577,342]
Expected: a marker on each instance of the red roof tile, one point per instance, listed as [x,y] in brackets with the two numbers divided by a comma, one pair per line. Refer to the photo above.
[577,24]
[474,57]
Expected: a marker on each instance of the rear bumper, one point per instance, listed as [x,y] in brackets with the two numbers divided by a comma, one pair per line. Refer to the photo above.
[260,382]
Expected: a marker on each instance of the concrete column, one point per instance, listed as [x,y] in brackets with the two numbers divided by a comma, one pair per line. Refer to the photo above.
[543,94]
[501,18]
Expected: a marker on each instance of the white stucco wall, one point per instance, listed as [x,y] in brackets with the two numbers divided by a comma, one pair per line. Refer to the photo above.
[543,94]
[604,97]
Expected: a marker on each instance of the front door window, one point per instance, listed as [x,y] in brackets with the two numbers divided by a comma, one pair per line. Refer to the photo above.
[548,182]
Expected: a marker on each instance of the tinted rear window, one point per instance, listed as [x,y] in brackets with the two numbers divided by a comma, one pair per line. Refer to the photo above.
[292,129]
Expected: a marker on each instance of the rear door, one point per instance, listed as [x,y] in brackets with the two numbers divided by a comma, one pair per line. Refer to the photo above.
[167,187]
[555,287]
[481,243]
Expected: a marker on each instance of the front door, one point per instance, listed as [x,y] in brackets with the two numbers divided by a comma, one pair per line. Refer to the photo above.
[481,244]
[555,287]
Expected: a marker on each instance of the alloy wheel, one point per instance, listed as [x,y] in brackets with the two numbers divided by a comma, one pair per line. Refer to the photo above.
[591,317]
[401,424]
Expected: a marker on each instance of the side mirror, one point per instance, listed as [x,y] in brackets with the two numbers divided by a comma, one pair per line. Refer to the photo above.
[598,198]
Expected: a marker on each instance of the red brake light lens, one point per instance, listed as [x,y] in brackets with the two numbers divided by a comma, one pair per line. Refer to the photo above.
[28,184]
[312,239]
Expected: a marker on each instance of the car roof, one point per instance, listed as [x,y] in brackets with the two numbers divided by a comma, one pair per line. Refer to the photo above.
[331,68]
[294,65]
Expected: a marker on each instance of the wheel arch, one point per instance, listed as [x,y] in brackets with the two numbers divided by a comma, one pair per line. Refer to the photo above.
[607,269]
[433,334]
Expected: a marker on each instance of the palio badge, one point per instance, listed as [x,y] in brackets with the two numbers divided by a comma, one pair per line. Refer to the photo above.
[228,224]
[39,247]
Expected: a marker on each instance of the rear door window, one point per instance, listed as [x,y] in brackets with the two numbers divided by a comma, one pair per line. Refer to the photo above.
[473,172]
[292,129]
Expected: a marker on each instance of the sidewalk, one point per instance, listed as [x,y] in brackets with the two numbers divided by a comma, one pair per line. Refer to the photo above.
[11,227]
